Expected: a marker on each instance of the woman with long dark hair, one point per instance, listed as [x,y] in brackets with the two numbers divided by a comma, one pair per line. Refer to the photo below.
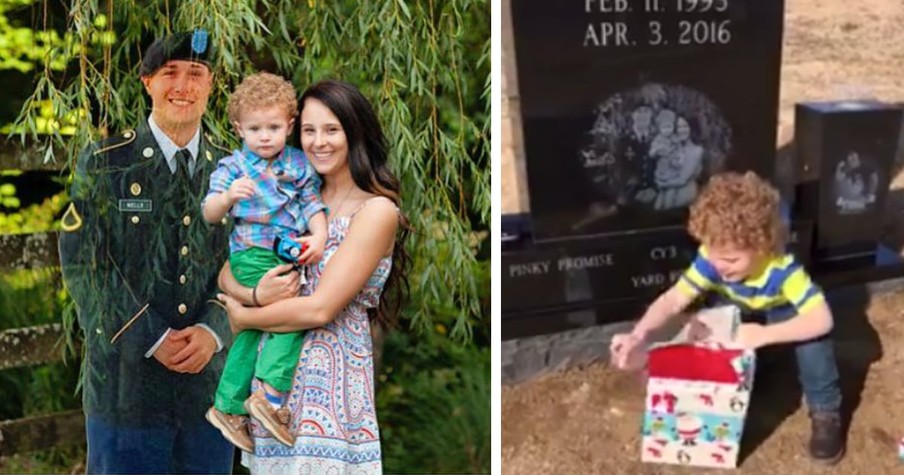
[361,279]
[677,173]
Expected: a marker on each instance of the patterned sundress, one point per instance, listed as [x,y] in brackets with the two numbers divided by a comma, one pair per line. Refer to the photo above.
[332,396]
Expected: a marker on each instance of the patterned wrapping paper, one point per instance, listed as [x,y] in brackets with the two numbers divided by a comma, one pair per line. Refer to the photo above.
[697,393]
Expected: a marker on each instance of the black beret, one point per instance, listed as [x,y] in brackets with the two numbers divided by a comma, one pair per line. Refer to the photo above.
[186,45]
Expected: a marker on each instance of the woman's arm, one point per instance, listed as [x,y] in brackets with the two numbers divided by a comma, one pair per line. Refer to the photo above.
[228,284]
[370,237]
[691,160]
[273,285]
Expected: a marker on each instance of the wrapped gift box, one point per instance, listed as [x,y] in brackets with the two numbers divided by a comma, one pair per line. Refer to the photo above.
[697,393]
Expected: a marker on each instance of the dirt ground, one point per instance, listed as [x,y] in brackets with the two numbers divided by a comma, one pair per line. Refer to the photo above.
[588,420]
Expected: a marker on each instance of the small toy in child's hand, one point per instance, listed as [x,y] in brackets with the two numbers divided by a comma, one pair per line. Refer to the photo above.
[901,449]
[288,250]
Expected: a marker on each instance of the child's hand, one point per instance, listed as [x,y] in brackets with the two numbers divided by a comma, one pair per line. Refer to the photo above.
[622,347]
[241,189]
[315,246]
[753,336]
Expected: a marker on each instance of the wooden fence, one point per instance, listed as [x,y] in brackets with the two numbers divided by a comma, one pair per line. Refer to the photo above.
[35,345]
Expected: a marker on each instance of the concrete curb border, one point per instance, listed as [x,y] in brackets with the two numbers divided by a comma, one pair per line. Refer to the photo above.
[526,358]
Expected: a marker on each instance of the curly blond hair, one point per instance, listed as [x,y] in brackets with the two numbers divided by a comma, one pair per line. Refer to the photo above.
[262,90]
[740,210]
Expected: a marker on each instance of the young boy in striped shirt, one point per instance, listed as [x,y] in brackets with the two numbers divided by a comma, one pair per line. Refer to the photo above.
[742,259]
[271,190]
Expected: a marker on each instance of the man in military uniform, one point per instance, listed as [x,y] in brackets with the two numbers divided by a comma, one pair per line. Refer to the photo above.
[635,150]
[141,264]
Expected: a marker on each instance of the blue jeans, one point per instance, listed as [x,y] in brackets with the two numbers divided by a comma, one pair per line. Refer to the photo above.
[816,368]
[157,449]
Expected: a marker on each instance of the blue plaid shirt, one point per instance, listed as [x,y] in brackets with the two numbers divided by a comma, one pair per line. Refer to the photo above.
[287,196]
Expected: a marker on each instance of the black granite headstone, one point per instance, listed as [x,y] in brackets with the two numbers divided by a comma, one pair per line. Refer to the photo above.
[549,289]
[578,274]
[845,152]
[581,272]
[629,106]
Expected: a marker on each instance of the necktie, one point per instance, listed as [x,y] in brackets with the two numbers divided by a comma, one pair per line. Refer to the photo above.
[183,175]
[183,159]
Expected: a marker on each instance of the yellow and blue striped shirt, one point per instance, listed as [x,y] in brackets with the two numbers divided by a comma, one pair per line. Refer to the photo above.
[782,285]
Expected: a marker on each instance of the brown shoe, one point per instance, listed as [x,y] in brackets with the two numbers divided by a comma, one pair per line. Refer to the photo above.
[233,427]
[275,421]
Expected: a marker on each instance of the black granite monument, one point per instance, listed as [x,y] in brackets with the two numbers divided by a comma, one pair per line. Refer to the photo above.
[629,106]
[595,281]
[845,151]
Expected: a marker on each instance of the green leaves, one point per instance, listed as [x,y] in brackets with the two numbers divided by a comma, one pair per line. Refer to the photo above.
[39,217]
[8,196]
[427,63]
[26,49]
[423,64]
[434,406]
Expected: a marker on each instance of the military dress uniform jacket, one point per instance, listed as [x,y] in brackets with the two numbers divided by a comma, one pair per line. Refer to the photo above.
[138,258]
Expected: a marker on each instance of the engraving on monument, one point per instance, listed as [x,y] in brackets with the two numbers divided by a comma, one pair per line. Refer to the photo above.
[652,148]
[529,268]
[586,262]
[856,183]
[593,271]
[658,280]
[629,106]
[685,31]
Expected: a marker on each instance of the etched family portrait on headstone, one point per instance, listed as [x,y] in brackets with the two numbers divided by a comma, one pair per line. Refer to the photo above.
[651,148]
[856,183]
[629,106]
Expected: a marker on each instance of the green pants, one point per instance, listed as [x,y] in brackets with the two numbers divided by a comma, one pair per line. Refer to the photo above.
[278,358]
